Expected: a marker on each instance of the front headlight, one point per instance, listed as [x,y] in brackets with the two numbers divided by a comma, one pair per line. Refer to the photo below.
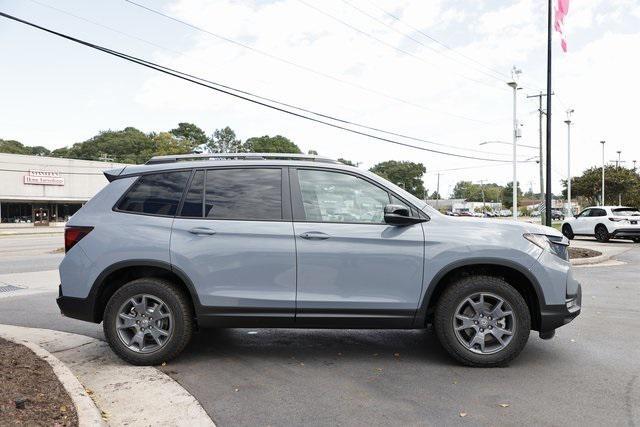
[558,246]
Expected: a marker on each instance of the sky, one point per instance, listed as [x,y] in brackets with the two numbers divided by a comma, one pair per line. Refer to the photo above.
[438,72]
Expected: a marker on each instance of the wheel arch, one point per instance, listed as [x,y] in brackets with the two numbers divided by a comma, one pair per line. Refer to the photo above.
[116,275]
[515,274]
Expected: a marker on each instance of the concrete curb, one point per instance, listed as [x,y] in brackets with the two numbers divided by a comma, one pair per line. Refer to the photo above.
[125,394]
[592,260]
[88,413]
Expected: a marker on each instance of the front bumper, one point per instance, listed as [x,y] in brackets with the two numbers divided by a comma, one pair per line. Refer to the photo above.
[76,308]
[554,316]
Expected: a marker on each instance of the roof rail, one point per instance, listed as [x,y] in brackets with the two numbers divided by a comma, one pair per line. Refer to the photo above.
[237,156]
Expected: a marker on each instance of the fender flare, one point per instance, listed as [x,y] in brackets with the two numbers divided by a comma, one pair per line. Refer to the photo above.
[421,313]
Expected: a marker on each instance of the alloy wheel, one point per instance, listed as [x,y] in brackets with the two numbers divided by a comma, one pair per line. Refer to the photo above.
[484,323]
[144,323]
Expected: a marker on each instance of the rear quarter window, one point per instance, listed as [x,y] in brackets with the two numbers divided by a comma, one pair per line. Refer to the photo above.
[155,194]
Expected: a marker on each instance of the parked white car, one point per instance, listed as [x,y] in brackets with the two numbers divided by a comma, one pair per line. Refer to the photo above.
[604,223]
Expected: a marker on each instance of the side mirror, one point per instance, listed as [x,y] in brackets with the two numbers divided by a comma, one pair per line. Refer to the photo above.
[399,215]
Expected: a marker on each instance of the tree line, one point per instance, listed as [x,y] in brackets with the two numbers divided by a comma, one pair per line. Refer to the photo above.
[131,145]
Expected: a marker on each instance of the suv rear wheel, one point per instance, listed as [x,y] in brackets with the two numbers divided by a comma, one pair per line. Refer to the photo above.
[602,234]
[148,321]
[482,321]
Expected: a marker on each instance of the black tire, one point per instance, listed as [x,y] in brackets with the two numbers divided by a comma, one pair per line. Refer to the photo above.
[602,234]
[182,320]
[636,239]
[567,231]
[459,291]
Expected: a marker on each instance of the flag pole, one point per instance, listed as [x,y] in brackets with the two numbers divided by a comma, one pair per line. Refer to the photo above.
[547,201]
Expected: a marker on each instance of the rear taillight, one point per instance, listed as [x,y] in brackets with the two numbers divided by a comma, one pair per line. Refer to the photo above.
[73,235]
[617,219]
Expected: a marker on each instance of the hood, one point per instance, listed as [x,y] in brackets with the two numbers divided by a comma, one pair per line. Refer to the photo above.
[499,225]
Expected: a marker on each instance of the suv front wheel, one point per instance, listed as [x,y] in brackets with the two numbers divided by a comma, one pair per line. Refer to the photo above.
[482,321]
[148,321]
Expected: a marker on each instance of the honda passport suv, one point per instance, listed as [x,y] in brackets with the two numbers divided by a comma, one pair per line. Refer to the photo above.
[295,241]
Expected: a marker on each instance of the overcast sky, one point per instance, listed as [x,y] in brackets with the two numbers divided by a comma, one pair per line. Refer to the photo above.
[353,61]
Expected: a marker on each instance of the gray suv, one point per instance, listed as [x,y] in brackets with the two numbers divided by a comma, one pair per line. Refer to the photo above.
[294,241]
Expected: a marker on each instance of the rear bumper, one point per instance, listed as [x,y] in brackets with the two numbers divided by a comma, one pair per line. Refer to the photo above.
[76,308]
[554,316]
[626,232]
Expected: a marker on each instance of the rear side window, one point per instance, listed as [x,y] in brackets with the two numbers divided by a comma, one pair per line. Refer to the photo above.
[156,194]
[240,194]
[598,212]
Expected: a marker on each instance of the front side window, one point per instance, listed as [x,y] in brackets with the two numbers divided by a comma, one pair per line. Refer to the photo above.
[250,194]
[156,194]
[584,213]
[338,197]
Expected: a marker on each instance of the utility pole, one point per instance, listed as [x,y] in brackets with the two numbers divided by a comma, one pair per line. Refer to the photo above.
[438,190]
[568,122]
[514,85]
[634,165]
[484,207]
[602,194]
[541,113]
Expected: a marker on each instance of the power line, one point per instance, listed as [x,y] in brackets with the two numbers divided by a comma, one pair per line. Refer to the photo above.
[304,67]
[178,74]
[413,138]
[433,39]
[420,42]
[389,45]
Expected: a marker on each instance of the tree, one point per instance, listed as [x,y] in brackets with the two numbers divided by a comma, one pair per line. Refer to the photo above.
[407,175]
[435,195]
[127,146]
[473,192]
[16,147]
[617,181]
[312,152]
[166,143]
[191,133]
[507,194]
[224,141]
[269,144]
[347,162]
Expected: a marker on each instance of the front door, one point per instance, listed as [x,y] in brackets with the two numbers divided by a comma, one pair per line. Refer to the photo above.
[238,246]
[353,269]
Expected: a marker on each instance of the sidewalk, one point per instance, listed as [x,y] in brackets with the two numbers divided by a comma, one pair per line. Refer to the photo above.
[125,394]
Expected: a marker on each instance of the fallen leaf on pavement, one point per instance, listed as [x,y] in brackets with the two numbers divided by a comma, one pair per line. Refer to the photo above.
[504,405]
[463,414]
[396,354]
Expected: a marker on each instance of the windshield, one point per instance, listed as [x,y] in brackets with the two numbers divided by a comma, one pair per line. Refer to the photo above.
[626,212]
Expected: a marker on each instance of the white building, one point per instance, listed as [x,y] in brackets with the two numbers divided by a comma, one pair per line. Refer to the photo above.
[42,190]
[461,205]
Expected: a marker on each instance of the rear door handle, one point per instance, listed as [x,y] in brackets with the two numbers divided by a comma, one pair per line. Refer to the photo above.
[202,231]
[314,235]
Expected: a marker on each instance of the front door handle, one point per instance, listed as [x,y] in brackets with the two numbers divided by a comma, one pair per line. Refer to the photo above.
[314,235]
[202,231]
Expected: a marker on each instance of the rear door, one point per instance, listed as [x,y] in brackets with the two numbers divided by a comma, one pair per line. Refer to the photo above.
[353,268]
[233,237]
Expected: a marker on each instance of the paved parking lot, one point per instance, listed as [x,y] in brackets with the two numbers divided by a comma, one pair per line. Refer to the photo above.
[587,375]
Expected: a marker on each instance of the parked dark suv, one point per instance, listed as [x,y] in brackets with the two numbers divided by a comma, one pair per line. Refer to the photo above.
[260,240]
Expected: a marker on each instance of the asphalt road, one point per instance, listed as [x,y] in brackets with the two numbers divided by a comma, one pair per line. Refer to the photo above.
[587,375]
[30,252]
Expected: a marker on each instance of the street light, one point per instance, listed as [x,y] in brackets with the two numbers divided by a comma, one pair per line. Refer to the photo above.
[602,194]
[514,85]
[568,122]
